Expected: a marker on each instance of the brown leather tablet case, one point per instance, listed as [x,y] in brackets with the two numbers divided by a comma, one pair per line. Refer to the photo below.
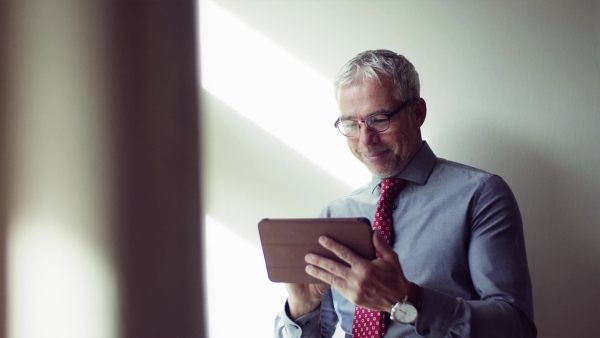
[285,242]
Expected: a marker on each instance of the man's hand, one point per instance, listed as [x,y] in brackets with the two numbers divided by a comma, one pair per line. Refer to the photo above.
[304,298]
[375,285]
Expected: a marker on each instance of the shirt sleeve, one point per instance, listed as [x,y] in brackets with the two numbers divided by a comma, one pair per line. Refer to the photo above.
[498,267]
[320,323]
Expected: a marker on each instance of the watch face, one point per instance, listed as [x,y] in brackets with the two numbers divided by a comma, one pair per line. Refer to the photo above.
[404,313]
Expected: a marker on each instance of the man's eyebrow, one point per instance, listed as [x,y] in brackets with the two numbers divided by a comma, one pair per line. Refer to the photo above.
[378,111]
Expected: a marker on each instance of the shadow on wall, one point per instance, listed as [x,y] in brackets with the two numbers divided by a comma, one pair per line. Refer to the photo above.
[557,206]
[251,175]
[564,267]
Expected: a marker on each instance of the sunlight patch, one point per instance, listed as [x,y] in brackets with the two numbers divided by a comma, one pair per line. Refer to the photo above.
[280,93]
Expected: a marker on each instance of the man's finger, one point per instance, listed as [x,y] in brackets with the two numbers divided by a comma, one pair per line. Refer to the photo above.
[341,251]
[327,265]
[327,277]
[383,247]
[318,273]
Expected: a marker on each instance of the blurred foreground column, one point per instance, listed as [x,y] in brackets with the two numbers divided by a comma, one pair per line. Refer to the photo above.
[4,194]
[100,197]
[157,156]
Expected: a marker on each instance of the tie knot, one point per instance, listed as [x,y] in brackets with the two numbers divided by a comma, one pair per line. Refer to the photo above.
[389,188]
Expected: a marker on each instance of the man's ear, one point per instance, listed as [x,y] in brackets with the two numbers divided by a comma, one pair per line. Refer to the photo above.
[420,111]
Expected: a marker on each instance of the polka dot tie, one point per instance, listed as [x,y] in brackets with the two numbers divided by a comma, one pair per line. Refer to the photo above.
[369,323]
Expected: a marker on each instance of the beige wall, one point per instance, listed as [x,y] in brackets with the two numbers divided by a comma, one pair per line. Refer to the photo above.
[512,87]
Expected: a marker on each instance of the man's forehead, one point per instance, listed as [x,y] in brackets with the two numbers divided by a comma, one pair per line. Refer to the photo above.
[365,98]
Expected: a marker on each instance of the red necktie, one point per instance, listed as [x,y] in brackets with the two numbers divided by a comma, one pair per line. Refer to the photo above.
[369,323]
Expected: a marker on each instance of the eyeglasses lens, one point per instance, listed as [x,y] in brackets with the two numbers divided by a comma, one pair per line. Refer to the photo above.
[378,123]
[350,128]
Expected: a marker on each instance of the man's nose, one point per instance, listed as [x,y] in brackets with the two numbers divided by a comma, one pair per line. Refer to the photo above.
[366,135]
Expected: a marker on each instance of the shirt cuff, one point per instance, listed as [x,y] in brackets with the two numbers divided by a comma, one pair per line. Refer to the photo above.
[436,313]
[307,325]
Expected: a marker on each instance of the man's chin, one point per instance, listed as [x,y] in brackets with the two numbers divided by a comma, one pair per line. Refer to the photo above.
[381,172]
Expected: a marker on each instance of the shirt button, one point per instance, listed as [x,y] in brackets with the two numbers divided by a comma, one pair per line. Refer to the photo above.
[426,331]
[307,324]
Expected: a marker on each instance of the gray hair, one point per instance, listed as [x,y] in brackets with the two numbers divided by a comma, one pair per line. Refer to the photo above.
[377,65]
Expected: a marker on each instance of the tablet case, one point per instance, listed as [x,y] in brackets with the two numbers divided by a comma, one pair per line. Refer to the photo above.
[285,242]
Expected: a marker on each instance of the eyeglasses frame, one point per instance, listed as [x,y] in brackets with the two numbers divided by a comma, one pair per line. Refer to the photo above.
[389,116]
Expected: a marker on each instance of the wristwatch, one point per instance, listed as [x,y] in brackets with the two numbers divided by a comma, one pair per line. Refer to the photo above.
[405,311]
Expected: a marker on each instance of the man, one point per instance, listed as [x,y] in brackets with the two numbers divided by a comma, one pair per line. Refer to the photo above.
[455,265]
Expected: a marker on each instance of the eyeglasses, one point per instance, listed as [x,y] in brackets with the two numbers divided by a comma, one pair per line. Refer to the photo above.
[378,122]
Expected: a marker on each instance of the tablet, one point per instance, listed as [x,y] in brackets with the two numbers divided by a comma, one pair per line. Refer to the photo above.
[285,242]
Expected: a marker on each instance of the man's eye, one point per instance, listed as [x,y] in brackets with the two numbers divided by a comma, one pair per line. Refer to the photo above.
[349,124]
[378,119]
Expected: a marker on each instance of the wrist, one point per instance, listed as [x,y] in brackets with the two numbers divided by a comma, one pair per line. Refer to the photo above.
[297,310]
[406,311]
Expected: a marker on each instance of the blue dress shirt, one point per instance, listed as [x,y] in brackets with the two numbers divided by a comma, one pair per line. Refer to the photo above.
[458,233]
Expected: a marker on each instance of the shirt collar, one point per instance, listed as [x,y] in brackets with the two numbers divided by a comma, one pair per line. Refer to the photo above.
[417,170]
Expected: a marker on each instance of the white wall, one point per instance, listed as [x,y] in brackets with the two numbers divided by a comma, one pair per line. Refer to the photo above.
[512,87]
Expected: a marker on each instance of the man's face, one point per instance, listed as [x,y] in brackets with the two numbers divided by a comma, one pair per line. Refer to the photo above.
[387,153]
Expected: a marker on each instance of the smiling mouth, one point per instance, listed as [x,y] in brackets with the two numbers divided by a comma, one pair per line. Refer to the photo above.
[375,155]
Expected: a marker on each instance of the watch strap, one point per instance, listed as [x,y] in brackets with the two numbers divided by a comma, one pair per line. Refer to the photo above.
[414,295]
